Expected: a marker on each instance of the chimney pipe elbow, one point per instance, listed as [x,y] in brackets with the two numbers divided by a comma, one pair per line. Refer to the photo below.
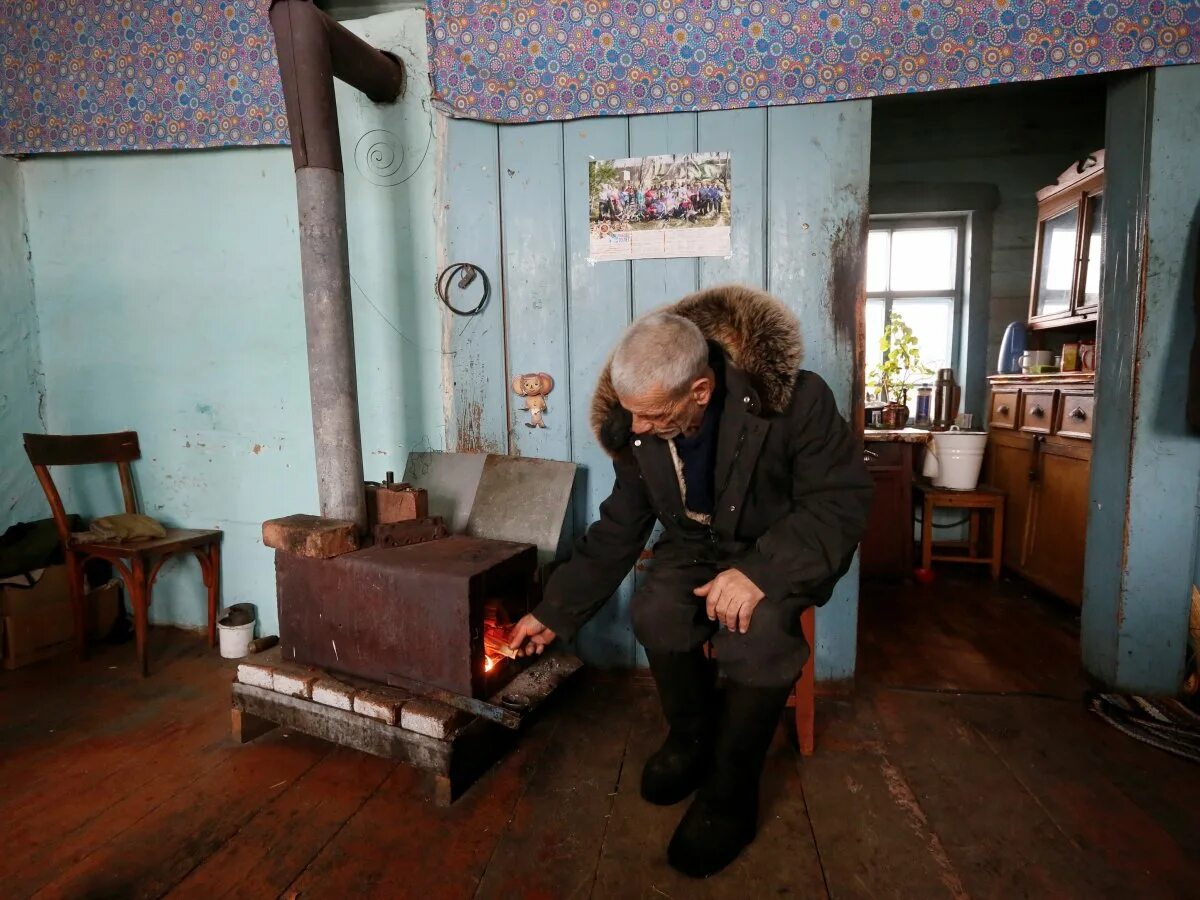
[313,49]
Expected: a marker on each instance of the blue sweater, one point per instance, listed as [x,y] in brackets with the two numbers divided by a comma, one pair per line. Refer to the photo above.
[698,454]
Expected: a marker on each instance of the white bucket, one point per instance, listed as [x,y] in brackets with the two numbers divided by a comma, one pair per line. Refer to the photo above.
[954,459]
[235,639]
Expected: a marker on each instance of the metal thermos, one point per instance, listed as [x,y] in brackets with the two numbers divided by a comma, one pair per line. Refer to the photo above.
[945,400]
[924,404]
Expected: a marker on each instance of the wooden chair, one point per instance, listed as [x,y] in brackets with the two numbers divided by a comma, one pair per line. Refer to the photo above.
[804,697]
[137,562]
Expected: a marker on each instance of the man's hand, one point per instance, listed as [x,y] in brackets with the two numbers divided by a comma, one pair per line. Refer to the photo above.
[730,598]
[529,636]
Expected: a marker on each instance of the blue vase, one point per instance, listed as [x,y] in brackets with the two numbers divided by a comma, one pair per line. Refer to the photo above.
[1011,348]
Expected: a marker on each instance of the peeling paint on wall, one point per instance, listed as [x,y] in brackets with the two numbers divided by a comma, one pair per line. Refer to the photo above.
[469,433]
[845,293]
[22,387]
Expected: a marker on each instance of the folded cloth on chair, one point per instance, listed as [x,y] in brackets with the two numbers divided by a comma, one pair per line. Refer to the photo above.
[124,528]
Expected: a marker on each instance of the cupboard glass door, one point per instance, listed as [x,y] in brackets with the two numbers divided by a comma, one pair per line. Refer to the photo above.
[1058,240]
[1093,253]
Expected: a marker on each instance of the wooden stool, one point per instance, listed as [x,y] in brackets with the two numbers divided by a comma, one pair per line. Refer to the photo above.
[982,499]
[803,698]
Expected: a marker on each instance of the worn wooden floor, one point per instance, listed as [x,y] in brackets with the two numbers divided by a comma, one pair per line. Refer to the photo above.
[965,766]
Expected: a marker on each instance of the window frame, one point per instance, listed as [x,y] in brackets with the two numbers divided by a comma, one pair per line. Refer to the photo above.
[892,223]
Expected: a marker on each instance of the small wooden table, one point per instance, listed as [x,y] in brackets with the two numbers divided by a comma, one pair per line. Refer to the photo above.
[982,499]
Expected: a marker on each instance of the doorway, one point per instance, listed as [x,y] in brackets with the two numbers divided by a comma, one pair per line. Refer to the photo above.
[957,234]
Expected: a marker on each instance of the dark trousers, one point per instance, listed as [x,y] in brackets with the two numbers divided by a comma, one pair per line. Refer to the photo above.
[669,618]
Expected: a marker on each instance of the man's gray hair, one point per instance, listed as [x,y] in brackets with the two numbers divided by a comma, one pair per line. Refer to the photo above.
[659,350]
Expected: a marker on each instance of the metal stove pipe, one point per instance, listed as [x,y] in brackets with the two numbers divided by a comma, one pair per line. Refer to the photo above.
[313,49]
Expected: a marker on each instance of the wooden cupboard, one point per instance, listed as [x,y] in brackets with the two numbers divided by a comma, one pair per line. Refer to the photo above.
[1039,454]
[887,546]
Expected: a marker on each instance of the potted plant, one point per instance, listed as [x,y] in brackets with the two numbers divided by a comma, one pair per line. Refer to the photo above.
[900,370]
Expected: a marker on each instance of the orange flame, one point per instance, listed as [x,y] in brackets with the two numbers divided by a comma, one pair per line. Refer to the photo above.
[489,663]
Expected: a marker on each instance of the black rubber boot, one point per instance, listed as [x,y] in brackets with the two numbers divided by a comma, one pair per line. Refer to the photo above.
[685,688]
[724,816]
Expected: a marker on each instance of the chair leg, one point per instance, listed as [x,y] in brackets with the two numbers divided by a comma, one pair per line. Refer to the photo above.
[78,592]
[213,583]
[997,541]
[210,568]
[806,691]
[927,535]
[138,585]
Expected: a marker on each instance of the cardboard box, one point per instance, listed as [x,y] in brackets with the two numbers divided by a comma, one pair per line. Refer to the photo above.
[37,622]
[103,604]
[51,587]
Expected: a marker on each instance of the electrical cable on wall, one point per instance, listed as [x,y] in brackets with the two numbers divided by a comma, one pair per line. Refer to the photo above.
[466,273]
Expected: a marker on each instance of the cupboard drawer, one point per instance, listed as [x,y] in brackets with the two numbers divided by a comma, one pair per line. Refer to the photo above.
[1037,411]
[885,455]
[1004,409]
[1076,415]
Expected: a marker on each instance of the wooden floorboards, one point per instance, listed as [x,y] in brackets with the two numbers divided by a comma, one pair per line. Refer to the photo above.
[964,766]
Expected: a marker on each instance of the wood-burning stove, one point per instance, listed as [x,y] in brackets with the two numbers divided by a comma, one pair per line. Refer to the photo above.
[423,612]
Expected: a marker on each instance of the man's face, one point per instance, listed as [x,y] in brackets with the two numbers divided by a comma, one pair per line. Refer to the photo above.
[663,415]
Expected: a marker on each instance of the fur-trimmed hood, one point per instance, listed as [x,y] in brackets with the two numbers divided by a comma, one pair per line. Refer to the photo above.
[758,334]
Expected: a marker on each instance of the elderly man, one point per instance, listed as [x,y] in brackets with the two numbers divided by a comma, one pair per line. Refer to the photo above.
[760,486]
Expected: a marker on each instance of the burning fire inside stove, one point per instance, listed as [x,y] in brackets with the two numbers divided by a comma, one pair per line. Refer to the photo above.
[496,631]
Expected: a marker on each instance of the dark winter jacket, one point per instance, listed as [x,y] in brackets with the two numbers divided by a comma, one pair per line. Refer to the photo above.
[792,490]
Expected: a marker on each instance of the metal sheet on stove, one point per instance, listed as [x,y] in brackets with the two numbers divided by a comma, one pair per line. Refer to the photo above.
[525,500]
[451,480]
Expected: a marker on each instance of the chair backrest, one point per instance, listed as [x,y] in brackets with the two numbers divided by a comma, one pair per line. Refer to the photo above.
[45,450]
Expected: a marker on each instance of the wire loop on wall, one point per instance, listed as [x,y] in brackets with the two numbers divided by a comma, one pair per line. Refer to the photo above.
[466,273]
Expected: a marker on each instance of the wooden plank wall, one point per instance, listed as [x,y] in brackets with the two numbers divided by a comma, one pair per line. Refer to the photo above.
[514,201]
[1144,524]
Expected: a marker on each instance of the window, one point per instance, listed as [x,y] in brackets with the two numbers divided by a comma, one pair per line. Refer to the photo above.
[915,269]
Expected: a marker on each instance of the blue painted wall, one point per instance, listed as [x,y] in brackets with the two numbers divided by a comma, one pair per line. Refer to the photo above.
[22,390]
[515,202]
[1144,521]
[168,289]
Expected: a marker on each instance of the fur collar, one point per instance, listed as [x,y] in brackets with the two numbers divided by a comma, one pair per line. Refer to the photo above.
[759,335]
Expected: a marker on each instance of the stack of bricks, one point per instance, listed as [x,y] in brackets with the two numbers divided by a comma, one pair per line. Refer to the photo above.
[389,705]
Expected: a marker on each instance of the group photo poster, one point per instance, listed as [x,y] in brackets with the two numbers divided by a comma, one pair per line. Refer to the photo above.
[660,207]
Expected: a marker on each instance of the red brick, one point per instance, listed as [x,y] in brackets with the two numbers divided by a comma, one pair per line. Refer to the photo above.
[329,691]
[311,536]
[257,675]
[382,703]
[294,683]
[430,718]
[395,503]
